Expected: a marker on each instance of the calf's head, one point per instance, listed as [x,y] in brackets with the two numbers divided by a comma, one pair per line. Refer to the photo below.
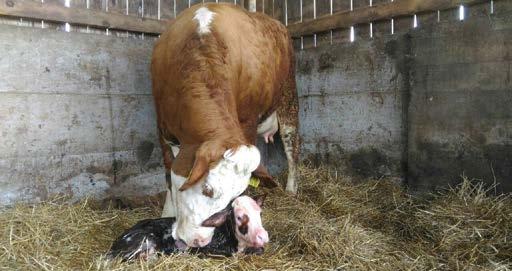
[245,216]
[209,190]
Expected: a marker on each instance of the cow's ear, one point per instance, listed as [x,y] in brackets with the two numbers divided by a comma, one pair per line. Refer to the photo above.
[260,199]
[199,169]
[265,178]
[216,219]
[208,153]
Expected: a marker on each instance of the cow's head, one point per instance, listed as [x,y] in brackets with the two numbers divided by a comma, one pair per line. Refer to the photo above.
[246,218]
[212,184]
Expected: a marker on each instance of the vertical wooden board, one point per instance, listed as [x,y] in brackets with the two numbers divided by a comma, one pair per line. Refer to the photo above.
[308,13]
[79,3]
[266,7]
[308,9]
[403,24]
[360,3]
[323,7]
[340,5]
[308,42]
[259,6]
[278,8]
[57,25]
[293,11]
[262,6]
[381,28]
[481,10]
[362,32]
[98,4]
[323,38]
[340,35]
[181,5]
[427,19]
[151,9]
[166,9]
[135,8]
[117,6]
[296,44]
[449,15]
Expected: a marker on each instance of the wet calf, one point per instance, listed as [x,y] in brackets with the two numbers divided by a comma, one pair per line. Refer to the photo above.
[238,229]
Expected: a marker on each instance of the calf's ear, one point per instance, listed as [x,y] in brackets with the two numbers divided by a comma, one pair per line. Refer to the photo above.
[216,219]
[260,199]
[265,178]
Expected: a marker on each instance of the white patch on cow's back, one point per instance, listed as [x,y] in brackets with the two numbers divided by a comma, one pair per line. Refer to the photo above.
[204,18]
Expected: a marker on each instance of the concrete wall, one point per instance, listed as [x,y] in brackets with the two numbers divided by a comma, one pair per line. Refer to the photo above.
[428,104]
[76,116]
[351,99]
[461,101]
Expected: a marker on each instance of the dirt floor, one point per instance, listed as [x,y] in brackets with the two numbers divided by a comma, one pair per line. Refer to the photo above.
[332,224]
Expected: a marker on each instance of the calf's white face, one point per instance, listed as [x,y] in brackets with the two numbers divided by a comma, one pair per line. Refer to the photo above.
[249,230]
[226,181]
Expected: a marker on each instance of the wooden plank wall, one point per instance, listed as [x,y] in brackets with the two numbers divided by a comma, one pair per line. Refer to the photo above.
[296,11]
[154,9]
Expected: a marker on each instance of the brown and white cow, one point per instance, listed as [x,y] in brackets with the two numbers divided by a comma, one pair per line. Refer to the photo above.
[221,75]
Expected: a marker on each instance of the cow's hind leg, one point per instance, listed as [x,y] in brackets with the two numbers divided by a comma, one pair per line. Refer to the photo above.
[289,135]
[288,118]
[169,209]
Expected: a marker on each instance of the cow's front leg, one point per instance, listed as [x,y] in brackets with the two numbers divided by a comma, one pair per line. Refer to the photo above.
[169,209]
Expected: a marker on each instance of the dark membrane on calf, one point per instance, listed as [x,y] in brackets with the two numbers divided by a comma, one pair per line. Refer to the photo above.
[151,236]
[145,239]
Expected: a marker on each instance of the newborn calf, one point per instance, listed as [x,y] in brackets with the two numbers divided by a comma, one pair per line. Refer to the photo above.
[238,228]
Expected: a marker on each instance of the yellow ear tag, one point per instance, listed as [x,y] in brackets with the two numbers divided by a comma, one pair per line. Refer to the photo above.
[254,182]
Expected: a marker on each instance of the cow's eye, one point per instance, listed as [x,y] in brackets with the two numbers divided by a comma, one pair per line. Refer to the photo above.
[207,191]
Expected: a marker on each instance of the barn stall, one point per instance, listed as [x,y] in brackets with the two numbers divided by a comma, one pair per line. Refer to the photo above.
[405,125]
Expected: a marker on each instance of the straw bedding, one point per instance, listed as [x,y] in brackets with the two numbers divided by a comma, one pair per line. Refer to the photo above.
[333,223]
